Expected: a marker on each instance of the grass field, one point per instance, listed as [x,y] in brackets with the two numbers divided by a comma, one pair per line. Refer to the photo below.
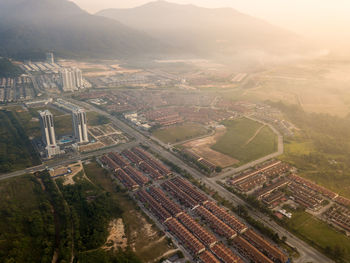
[317,166]
[320,234]
[180,133]
[246,140]
[95,119]
[148,242]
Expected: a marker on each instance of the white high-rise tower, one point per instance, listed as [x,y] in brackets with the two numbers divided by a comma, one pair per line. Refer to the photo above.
[78,78]
[67,77]
[80,125]
[72,79]
[48,133]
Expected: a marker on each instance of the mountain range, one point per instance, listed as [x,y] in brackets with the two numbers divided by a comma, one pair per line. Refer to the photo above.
[205,30]
[29,28]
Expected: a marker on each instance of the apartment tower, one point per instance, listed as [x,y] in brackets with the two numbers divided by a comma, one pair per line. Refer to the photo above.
[48,133]
[80,125]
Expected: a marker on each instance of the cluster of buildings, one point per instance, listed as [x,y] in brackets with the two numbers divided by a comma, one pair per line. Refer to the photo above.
[48,130]
[148,168]
[339,216]
[51,76]
[188,154]
[136,78]
[16,89]
[275,183]
[254,179]
[71,79]
[187,211]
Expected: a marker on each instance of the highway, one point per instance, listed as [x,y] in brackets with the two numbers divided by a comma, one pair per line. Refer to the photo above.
[72,159]
[307,253]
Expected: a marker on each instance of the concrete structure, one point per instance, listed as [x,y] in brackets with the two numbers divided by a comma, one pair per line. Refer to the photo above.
[72,79]
[48,133]
[80,125]
[50,58]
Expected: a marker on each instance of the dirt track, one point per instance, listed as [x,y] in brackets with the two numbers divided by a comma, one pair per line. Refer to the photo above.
[202,148]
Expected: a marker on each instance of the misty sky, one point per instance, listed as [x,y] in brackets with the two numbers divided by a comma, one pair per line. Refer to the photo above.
[320,19]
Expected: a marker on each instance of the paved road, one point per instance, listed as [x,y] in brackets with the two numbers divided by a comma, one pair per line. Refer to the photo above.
[308,254]
[57,163]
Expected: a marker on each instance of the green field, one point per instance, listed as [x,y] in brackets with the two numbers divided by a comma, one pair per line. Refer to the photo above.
[318,233]
[95,119]
[180,133]
[246,140]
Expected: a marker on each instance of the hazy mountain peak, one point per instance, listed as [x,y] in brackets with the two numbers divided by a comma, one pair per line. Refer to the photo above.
[204,30]
[28,26]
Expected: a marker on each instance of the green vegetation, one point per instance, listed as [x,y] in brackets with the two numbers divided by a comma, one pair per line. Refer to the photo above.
[101,256]
[55,111]
[16,150]
[147,246]
[246,140]
[39,218]
[63,125]
[321,150]
[180,133]
[27,224]
[62,218]
[95,119]
[318,233]
[29,119]
[91,209]
[8,69]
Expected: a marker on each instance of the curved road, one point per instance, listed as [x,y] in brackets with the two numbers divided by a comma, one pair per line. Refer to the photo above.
[307,253]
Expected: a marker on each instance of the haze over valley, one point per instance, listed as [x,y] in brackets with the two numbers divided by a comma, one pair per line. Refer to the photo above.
[204,131]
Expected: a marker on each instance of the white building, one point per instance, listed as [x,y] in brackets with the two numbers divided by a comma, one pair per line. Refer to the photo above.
[72,79]
[50,58]
[79,78]
[80,125]
[48,133]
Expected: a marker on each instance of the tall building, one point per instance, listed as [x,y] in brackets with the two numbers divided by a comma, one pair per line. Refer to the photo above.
[72,79]
[50,58]
[78,78]
[80,125]
[67,78]
[48,133]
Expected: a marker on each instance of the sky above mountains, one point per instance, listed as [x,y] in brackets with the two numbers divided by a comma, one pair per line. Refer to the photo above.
[324,20]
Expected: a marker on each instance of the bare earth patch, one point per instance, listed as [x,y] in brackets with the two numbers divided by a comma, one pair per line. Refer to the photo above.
[116,238]
[202,148]
[68,177]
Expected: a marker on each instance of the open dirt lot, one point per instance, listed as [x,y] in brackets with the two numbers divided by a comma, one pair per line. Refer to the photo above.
[116,237]
[202,148]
